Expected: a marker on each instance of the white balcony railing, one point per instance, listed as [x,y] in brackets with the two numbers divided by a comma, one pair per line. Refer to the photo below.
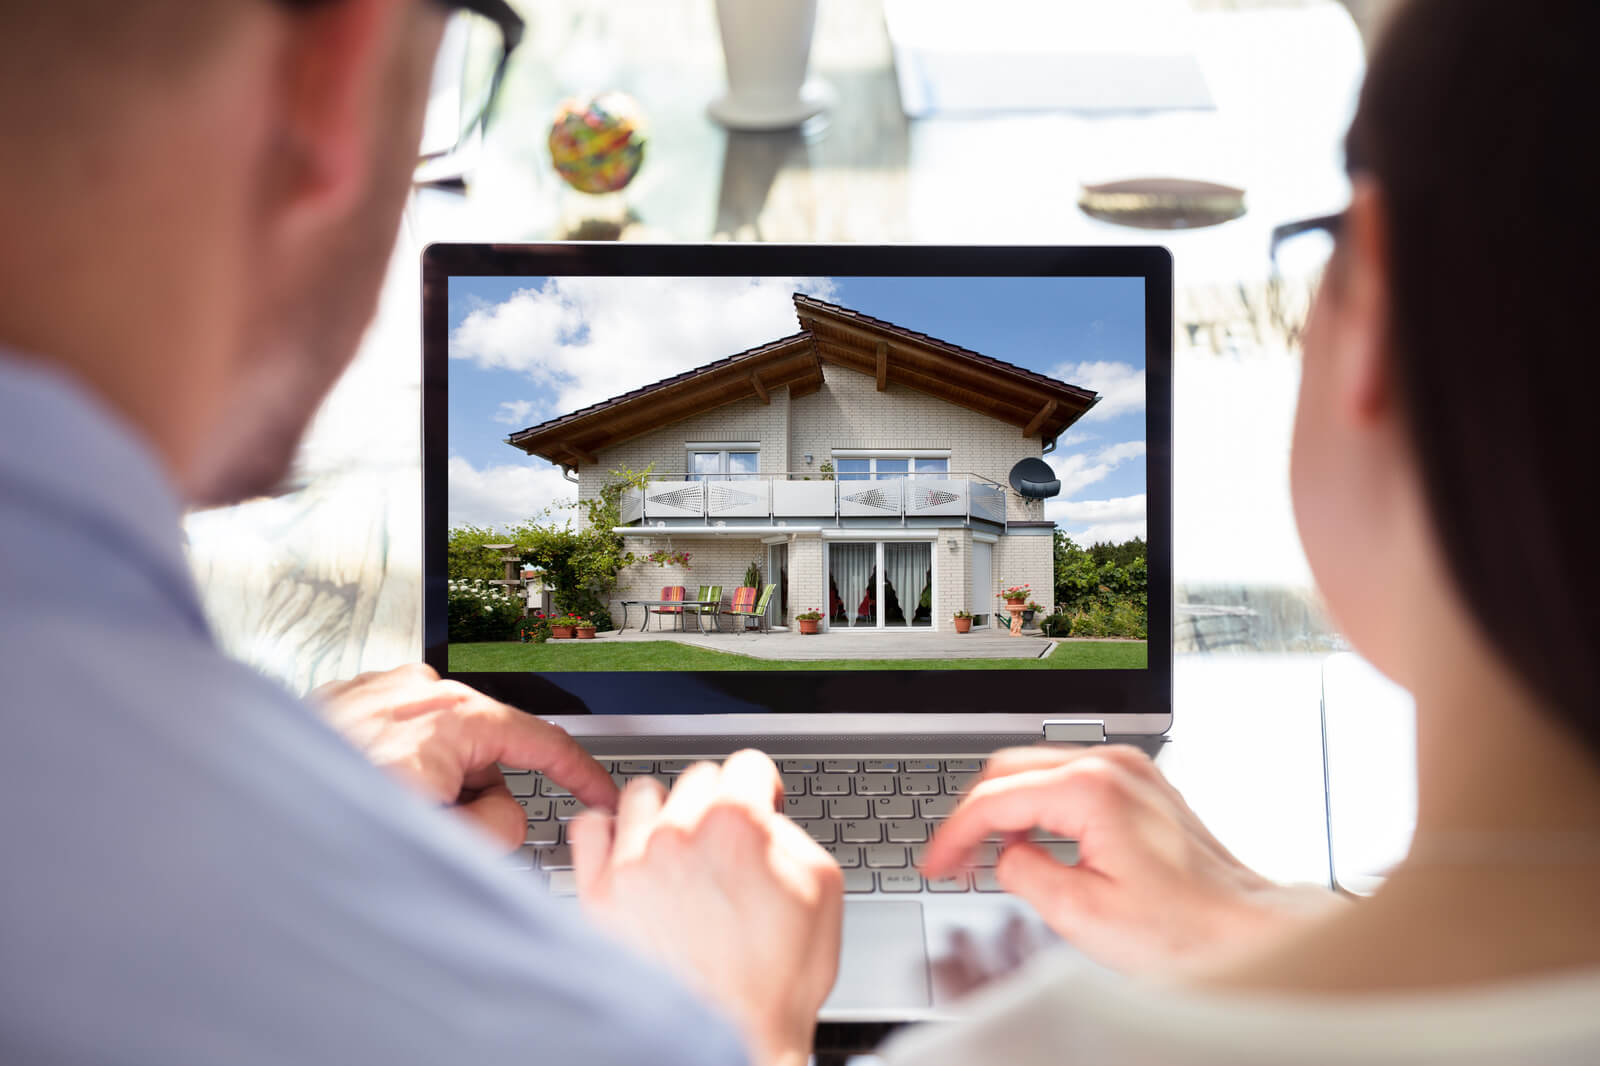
[798,496]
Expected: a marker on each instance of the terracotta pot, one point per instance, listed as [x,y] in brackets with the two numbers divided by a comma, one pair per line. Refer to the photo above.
[560,632]
[808,626]
[585,634]
[963,625]
[1019,601]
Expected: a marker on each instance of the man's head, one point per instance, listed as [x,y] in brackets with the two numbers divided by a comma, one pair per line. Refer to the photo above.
[199,198]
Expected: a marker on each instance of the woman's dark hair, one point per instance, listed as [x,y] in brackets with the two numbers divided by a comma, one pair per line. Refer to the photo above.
[1477,122]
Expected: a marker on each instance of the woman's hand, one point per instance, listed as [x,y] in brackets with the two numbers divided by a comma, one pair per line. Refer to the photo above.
[1152,889]
[717,886]
[448,741]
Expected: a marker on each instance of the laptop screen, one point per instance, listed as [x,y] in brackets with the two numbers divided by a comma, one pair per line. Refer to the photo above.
[938,481]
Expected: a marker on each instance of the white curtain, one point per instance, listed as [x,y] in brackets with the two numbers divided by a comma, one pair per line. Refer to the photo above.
[908,571]
[850,571]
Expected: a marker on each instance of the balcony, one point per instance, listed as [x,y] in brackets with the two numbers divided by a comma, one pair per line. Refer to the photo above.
[783,499]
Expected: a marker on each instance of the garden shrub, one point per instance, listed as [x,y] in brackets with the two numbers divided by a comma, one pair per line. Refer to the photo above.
[480,611]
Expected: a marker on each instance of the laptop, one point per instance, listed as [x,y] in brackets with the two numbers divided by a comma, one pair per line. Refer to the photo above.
[876,511]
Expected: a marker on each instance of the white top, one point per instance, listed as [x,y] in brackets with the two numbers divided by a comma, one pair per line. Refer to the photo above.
[1061,1011]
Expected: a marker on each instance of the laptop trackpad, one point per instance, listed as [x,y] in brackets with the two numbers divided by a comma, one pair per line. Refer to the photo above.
[884,960]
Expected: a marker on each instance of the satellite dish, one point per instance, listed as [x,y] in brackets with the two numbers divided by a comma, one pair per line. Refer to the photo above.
[1034,480]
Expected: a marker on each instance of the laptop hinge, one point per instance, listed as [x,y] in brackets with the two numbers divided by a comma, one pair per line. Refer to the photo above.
[1075,731]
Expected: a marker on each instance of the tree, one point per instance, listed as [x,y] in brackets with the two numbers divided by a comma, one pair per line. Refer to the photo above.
[469,560]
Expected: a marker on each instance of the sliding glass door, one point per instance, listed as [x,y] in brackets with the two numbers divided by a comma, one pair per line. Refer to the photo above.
[880,584]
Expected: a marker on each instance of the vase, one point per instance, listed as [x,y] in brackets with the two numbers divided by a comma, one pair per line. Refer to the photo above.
[808,626]
[963,625]
[1027,618]
[766,47]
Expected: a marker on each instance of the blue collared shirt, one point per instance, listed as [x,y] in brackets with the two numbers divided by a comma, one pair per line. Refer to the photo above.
[194,868]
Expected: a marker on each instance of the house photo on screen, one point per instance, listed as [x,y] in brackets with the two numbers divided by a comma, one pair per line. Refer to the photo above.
[714,473]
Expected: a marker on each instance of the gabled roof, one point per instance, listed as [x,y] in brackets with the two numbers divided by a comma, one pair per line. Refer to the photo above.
[1038,405]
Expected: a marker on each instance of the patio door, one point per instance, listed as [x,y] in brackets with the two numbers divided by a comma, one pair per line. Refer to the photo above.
[880,584]
[982,581]
[778,574]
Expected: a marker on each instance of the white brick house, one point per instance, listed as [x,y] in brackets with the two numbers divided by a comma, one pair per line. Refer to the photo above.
[861,465]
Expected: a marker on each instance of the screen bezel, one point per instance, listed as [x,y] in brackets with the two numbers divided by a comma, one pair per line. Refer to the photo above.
[952,701]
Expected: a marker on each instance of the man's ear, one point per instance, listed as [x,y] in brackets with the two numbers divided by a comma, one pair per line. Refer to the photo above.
[1366,373]
[335,59]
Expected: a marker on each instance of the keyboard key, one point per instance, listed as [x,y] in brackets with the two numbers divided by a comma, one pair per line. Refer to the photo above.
[840,766]
[905,831]
[937,806]
[881,766]
[1061,850]
[556,858]
[523,858]
[912,785]
[802,807]
[963,766]
[885,855]
[893,807]
[543,833]
[1045,834]
[849,807]
[954,883]
[900,881]
[922,766]
[958,784]
[523,784]
[672,766]
[794,784]
[636,766]
[986,854]
[509,770]
[830,784]
[846,855]
[916,853]
[563,883]
[550,788]
[986,881]
[798,766]
[860,832]
[858,880]
[568,808]
[874,785]
[537,808]
[821,832]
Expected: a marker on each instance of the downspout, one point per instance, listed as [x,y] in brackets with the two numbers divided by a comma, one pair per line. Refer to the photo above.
[1048,448]
[569,473]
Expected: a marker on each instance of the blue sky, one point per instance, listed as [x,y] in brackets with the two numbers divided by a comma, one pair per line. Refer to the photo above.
[527,349]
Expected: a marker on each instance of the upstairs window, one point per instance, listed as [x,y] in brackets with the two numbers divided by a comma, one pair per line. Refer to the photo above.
[890,467]
[723,464]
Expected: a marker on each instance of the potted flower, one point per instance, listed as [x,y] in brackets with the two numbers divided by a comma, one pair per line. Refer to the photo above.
[561,628]
[584,630]
[963,621]
[1017,593]
[809,620]
[1029,611]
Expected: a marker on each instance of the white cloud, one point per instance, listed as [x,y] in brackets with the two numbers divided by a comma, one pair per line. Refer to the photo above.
[1113,520]
[1079,470]
[502,496]
[1074,437]
[514,412]
[590,338]
[1120,385]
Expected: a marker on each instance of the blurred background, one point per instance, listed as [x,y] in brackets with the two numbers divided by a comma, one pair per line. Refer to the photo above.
[922,121]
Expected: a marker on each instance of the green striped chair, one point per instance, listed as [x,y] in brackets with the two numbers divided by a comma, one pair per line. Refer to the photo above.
[710,605]
[671,592]
[752,606]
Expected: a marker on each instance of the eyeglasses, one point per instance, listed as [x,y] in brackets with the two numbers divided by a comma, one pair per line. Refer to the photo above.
[473,56]
[1299,254]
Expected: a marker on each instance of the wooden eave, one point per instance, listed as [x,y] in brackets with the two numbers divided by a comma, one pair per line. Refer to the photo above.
[574,439]
[890,354]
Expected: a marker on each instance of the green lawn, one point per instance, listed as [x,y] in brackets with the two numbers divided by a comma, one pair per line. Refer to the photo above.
[557,656]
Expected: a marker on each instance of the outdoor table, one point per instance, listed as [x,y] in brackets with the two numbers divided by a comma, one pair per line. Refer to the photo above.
[647,604]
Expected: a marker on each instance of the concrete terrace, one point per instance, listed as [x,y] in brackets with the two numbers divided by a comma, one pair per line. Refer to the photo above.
[845,644]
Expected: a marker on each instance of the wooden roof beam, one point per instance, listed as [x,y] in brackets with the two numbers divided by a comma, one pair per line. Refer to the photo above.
[580,455]
[883,366]
[761,390]
[1039,419]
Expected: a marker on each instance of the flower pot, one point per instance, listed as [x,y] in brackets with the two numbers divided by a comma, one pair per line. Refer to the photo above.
[585,634]
[1027,618]
[963,625]
[1018,602]
[809,625]
[560,632]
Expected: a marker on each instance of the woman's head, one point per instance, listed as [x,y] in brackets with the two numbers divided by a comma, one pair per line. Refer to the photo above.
[1447,433]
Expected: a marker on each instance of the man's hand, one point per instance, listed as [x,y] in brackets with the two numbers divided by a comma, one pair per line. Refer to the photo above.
[1152,889]
[446,740]
[716,885]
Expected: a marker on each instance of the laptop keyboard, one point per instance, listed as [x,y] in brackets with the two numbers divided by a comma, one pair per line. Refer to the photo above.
[874,816]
